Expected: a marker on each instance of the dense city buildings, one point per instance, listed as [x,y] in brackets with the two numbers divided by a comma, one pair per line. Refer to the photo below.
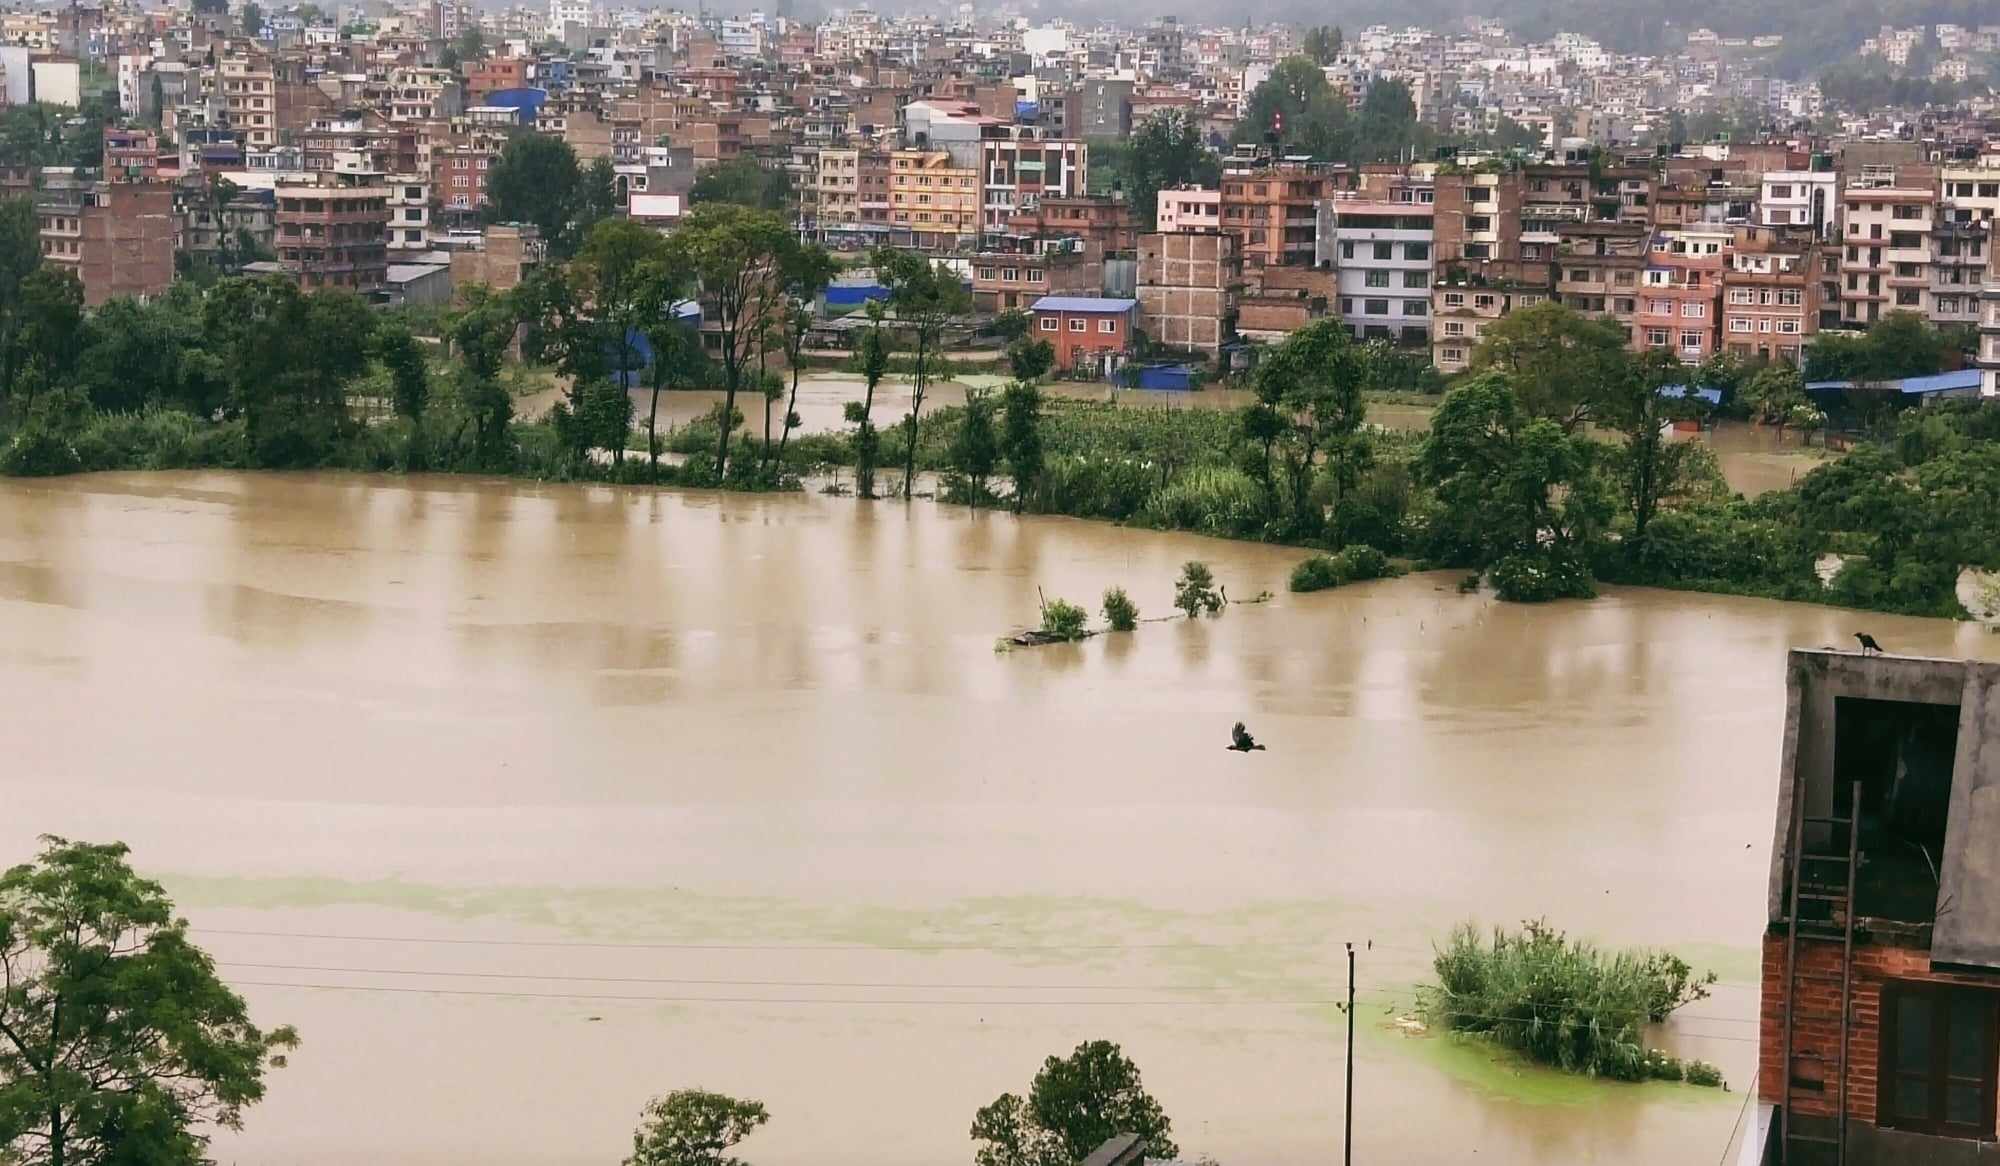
[1525,171]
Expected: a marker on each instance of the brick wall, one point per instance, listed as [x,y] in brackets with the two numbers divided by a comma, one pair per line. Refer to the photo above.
[1873,964]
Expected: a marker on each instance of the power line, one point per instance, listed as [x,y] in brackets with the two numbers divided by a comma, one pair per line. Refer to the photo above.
[767,999]
[773,947]
[731,983]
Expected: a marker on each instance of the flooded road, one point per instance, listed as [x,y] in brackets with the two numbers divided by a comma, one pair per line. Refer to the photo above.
[525,804]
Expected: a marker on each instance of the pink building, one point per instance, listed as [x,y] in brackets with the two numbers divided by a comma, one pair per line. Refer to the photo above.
[1680,297]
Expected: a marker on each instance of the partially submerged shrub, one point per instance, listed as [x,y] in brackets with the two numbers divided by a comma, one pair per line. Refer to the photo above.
[1062,620]
[1562,1002]
[1196,591]
[1119,610]
[1348,565]
[1541,577]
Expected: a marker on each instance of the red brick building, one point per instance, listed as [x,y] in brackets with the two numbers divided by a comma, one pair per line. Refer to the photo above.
[1088,332]
[118,237]
[1880,1016]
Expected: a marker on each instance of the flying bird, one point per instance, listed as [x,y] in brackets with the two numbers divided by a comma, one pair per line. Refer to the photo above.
[1868,643]
[1241,740]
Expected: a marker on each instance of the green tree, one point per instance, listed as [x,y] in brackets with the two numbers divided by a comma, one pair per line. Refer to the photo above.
[738,258]
[150,353]
[1166,150]
[1012,324]
[535,180]
[693,1127]
[807,272]
[470,45]
[1195,591]
[20,257]
[1075,1104]
[1323,43]
[1312,384]
[118,1042]
[481,334]
[744,182]
[1296,101]
[290,357]
[1030,360]
[1021,438]
[1508,483]
[253,20]
[975,448]
[1558,363]
[1774,394]
[409,369]
[1652,467]
[927,298]
[872,359]
[47,324]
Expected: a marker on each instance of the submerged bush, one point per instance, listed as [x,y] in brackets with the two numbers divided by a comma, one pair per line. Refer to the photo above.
[1195,591]
[1349,565]
[1541,577]
[1562,1002]
[1062,620]
[1119,610]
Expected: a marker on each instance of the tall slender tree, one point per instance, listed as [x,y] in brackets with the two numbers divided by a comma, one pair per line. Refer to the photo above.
[926,298]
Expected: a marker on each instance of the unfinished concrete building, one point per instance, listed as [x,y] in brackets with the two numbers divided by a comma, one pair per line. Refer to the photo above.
[1881,984]
[1188,284]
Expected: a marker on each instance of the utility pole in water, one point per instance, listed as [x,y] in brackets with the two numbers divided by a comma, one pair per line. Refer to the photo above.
[1347,1154]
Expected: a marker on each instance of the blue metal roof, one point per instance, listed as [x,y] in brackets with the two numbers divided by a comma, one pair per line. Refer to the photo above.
[1676,392]
[1083,304]
[1942,382]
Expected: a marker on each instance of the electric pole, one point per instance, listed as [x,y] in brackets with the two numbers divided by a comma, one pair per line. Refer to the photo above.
[1347,1155]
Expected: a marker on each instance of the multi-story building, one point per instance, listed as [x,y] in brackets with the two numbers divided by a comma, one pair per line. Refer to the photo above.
[1104,221]
[249,98]
[1089,333]
[934,203]
[117,237]
[1881,951]
[1800,199]
[1019,169]
[1680,300]
[833,200]
[131,155]
[1963,241]
[409,212]
[1477,216]
[1188,284]
[460,161]
[1771,288]
[1014,272]
[1886,257]
[1189,208]
[1381,253]
[1467,297]
[1598,269]
[333,230]
[1273,210]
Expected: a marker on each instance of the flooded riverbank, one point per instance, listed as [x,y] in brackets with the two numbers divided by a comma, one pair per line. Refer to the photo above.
[526,803]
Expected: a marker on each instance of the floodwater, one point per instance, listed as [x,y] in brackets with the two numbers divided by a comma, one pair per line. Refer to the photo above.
[526,803]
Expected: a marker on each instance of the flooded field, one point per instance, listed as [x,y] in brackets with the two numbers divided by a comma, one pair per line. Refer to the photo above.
[525,804]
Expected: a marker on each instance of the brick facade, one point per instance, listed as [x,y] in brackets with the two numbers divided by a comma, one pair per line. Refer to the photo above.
[1874,965]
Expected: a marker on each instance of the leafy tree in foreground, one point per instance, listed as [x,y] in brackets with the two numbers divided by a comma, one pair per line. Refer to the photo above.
[118,1042]
[1074,1105]
[1195,591]
[693,1127]
[1558,361]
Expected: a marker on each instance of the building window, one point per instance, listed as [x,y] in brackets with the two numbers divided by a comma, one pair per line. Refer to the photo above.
[1694,311]
[1416,307]
[1454,328]
[1691,341]
[1454,299]
[1007,275]
[1416,279]
[1739,325]
[1656,337]
[1079,325]
[1346,250]
[1938,1059]
[1378,279]
[986,273]
[1385,250]
[1375,307]
[1048,323]
[1034,275]
[1419,251]
[1108,327]
[1789,327]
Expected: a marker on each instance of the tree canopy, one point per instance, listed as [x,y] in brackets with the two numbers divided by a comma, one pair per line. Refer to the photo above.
[118,1041]
[693,1127]
[744,182]
[1073,1106]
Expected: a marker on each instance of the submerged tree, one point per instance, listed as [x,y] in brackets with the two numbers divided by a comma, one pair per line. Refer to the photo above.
[1021,438]
[118,1041]
[872,355]
[693,1127]
[738,258]
[1075,1104]
[926,298]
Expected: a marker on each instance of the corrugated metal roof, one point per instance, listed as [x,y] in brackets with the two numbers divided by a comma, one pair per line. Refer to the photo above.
[1083,304]
[1942,382]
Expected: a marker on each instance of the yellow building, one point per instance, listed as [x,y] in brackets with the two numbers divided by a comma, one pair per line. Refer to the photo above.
[933,199]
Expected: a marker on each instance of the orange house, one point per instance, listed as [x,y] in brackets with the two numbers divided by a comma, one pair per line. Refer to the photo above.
[1086,331]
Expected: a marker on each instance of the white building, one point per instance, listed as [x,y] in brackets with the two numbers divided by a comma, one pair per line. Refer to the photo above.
[1381,255]
[409,213]
[566,12]
[133,84]
[1796,198]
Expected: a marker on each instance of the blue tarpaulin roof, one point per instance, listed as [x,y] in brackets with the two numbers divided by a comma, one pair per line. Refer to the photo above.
[1083,304]
[1943,382]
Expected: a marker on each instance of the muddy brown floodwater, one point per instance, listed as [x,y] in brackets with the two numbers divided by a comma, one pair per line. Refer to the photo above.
[527,803]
